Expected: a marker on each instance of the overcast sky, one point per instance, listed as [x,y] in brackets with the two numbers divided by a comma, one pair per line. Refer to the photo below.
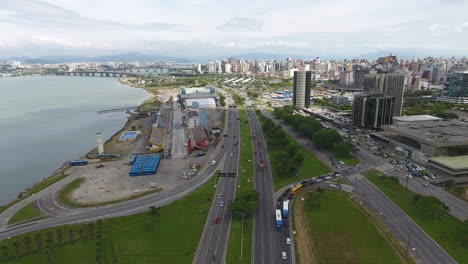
[206,28]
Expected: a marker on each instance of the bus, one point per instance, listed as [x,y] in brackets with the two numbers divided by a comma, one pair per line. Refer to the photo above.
[78,162]
[286,209]
[279,220]
[296,189]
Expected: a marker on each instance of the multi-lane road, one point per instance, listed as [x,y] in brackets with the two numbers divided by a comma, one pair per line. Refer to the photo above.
[421,246]
[212,246]
[268,243]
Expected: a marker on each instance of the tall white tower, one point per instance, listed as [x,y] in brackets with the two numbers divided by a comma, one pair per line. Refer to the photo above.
[100,143]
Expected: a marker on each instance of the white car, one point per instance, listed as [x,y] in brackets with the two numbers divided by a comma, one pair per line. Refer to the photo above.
[288,241]
[231,155]
[332,185]
[283,255]
[221,204]
[219,196]
[425,177]
[213,162]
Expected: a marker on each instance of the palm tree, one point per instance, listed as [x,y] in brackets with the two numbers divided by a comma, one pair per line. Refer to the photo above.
[16,245]
[90,229]
[38,239]
[60,235]
[27,243]
[4,249]
[70,234]
[50,235]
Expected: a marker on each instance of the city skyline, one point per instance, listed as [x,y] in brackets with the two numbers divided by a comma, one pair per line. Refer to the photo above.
[207,29]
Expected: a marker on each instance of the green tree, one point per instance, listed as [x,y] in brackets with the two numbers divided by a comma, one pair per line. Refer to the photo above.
[327,138]
[27,243]
[38,240]
[4,249]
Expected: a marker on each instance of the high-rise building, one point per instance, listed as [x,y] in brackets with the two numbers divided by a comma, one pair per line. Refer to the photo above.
[359,77]
[456,86]
[302,84]
[373,110]
[389,84]
[346,78]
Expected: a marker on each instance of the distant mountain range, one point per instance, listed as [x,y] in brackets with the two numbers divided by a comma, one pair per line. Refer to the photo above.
[124,57]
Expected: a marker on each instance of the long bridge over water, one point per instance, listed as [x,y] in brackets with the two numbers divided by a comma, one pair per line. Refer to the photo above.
[99,74]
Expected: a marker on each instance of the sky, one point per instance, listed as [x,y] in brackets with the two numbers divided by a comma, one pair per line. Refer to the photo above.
[210,28]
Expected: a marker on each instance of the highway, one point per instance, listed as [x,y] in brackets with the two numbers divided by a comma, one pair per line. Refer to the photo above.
[268,243]
[213,243]
[422,248]
[65,215]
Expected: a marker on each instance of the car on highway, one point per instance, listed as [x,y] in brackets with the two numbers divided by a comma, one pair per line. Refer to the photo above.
[426,185]
[332,185]
[286,233]
[217,220]
[341,162]
[232,155]
[284,256]
[219,196]
[286,223]
[221,204]
[213,162]
[288,241]
[425,177]
[222,146]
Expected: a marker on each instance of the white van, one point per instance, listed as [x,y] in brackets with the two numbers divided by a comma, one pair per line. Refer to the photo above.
[213,162]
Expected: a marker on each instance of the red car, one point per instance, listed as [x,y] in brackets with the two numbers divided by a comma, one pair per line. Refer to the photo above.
[217,220]
[222,146]
[286,223]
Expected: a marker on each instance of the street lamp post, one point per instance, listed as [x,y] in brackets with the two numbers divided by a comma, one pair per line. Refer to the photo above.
[407,245]
[242,215]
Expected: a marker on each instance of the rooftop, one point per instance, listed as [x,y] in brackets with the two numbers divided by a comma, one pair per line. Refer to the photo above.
[443,133]
[416,118]
[455,163]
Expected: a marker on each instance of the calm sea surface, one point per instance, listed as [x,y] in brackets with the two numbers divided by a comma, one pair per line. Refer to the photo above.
[45,121]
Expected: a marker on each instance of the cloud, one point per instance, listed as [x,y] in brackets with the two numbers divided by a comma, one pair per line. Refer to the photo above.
[236,24]
[463,27]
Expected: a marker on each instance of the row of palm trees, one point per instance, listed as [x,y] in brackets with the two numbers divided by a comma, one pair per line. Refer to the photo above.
[51,239]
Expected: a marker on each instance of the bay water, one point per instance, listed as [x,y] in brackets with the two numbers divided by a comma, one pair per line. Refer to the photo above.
[47,120]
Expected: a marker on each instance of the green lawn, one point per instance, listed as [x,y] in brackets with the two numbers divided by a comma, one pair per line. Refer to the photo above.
[38,187]
[449,232]
[246,181]
[339,181]
[65,195]
[311,167]
[171,237]
[347,157]
[342,233]
[27,212]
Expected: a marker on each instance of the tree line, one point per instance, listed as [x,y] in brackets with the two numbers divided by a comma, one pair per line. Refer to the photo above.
[286,157]
[313,129]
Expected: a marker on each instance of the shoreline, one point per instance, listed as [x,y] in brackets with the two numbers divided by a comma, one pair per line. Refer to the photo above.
[64,167]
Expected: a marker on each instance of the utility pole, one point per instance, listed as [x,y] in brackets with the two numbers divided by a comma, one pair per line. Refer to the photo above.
[407,180]
[407,244]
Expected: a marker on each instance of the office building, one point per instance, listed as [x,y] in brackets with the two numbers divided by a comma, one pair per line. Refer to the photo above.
[389,84]
[346,78]
[302,85]
[456,86]
[359,75]
[373,110]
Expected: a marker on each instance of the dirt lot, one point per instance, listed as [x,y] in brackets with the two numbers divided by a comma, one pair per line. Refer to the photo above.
[302,242]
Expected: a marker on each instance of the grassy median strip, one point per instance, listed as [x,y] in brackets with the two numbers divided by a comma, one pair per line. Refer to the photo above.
[449,232]
[46,182]
[168,234]
[310,167]
[340,232]
[245,180]
[25,213]
[65,195]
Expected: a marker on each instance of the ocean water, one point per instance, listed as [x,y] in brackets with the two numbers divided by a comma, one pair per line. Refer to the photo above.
[47,120]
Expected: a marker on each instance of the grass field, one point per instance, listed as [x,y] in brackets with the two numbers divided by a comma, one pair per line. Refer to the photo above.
[65,195]
[27,212]
[342,233]
[38,187]
[170,236]
[246,180]
[311,167]
[449,232]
